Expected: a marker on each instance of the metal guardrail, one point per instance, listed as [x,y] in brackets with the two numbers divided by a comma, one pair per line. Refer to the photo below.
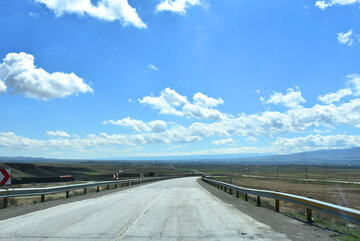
[348,214]
[21,192]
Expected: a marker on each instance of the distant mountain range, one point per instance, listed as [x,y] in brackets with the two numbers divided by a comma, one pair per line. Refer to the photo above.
[322,157]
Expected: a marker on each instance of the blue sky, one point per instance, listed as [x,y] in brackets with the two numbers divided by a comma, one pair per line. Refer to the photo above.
[135,78]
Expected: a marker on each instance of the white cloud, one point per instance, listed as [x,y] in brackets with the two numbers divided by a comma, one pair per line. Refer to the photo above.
[136,125]
[335,97]
[324,4]
[140,126]
[57,133]
[346,38]
[315,142]
[2,87]
[166,102]
[205,101]
[177,6]
[192,110]
[291,99]
[169,100]
[158,126]
[103,142]
[353,88]
[268,123]
[108,10]
[10,140]
[20,75]
[353,80]
[228,141]
[252,139]
[152,67]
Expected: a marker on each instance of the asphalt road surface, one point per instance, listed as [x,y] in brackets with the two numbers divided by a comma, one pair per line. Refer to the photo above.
[176,209]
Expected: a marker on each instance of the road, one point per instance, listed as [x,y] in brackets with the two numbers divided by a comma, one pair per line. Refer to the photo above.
[177,209]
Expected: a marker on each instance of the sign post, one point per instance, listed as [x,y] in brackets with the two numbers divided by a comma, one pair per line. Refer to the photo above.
[5,177]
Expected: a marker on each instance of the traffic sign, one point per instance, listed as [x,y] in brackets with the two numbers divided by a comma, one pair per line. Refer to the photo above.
[115,176]
[5,177]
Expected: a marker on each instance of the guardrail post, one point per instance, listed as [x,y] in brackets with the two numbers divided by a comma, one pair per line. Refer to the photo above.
[221,187]
[277,205]
[225,189]
[97,189]
[237,194]
[5,202]
[115,185]
[246,197]
[42,198]
[122,184]
[85,190]
[67,194]
[309,215]
[108,187]
[258,202]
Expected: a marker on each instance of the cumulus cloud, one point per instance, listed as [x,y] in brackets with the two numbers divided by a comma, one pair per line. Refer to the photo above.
[157,126]
[152,67]
[346,38]
[57,133]
[335,97]
[2,87]
[325,4]
[228,141]
[316,142]
[252,139]
[352,88]
[176,6]
[270,123]
[20,75]
[353,81]
[203,100]
[140,126]
[169,102]
[166,102]
[193,110]
[107,10]
[326,115]
[291,99]
[10,140]
[136,125]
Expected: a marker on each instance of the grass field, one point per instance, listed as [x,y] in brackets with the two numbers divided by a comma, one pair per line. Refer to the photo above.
[342,173]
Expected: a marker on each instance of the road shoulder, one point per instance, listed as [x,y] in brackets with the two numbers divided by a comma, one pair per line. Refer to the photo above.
[294,229]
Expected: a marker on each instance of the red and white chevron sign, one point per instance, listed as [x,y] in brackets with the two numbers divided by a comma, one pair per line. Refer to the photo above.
[5,177]
[115,176]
